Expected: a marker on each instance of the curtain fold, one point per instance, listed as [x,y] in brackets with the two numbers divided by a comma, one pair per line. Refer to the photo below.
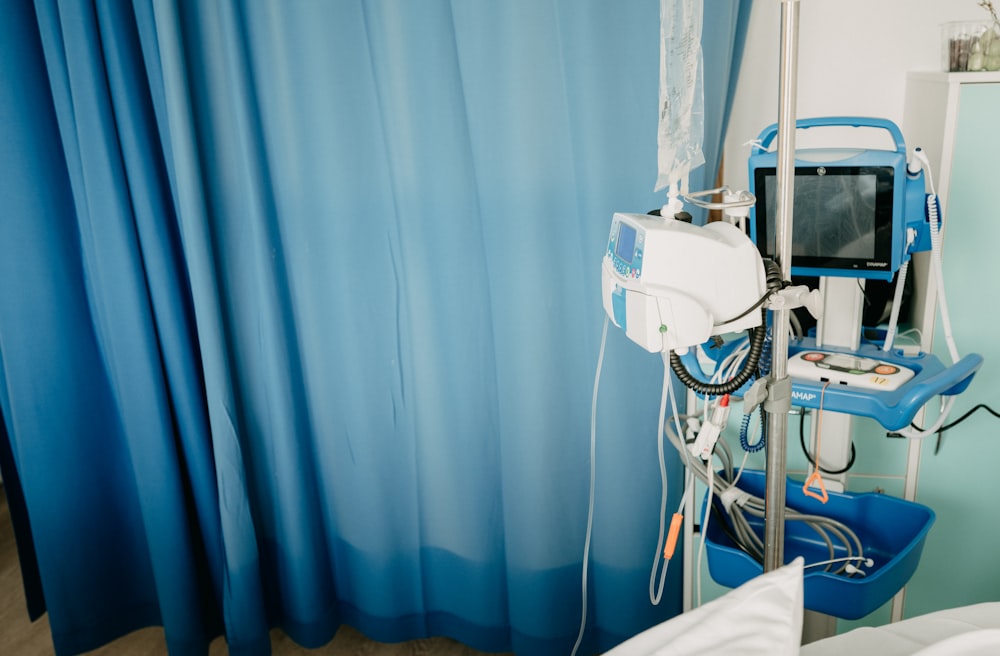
[307,317]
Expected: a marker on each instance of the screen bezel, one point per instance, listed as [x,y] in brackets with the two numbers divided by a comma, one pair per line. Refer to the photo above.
[881,261]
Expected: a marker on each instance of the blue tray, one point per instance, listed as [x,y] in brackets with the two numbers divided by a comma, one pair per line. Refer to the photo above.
[892,533]
[895,409]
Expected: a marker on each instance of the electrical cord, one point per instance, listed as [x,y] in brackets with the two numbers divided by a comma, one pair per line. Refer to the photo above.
[748,446]
[933,210]
[656,594]
[593,479]
[720,389]
[864,294]
[774,283]
[763,370]
[948,426]
[897,302]
[745,506]
[980,406]
[720,515]
[805,451]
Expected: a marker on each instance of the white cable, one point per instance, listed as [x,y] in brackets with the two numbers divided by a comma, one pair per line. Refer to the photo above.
[897,301]
[932,211]
[794,325]
[868,562]
[704,523]
[725,370]
[689,478]
[937,270]
[933,220]
[734,363]
[944,410]
[743,464]
[657,594]
[731,364]
[593,477]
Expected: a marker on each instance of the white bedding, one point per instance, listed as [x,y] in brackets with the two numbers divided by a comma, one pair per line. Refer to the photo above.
[967,630]
[764,616]
[761,617]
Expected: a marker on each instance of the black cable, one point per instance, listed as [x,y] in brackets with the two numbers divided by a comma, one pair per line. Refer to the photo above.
[940,432]
[745,374]
[980,406]
[805,450]
[721,521]
[760,301]
[774,283]
[864,294]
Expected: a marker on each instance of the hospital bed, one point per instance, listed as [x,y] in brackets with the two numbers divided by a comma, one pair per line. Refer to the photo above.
[764,616]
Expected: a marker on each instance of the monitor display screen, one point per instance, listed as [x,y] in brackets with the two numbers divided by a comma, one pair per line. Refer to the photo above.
[625,247]
[841,216]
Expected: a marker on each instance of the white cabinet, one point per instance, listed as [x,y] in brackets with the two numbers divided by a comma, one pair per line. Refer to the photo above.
[955,118]
[940,108]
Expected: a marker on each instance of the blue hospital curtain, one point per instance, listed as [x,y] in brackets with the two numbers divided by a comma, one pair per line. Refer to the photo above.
[300,316]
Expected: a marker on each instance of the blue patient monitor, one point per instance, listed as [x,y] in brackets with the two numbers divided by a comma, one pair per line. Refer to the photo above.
[856,212]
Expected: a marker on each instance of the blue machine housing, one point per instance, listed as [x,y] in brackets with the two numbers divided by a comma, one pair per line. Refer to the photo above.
[857,212]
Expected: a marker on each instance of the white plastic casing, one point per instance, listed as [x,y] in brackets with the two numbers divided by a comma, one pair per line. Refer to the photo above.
[676,285]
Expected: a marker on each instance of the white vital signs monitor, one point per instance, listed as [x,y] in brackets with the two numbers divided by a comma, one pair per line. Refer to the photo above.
[671,285]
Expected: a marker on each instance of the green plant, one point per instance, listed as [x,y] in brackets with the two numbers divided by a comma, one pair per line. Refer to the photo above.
[988,55]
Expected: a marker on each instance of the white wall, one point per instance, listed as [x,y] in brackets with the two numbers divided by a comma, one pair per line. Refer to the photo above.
[853,59]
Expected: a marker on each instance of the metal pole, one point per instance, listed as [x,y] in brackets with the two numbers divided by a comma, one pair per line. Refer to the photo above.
[777,418]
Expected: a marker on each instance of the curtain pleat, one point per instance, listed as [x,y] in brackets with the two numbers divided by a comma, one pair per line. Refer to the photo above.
[310,317]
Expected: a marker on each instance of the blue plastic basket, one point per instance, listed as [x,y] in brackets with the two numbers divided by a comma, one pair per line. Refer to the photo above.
[892,532]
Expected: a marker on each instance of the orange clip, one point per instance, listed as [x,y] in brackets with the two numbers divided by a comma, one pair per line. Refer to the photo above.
[815,478]
[675,529]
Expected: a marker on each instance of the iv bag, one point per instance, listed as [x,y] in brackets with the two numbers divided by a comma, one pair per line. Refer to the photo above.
[682,94]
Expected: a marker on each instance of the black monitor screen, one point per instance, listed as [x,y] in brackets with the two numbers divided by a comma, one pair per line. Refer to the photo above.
[841,217]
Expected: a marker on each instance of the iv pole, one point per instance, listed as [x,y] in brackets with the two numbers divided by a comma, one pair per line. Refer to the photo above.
[779,397]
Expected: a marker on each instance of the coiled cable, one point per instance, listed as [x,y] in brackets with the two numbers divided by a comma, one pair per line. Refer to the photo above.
[763,370]
[774,283]
[730,386]
[748,446]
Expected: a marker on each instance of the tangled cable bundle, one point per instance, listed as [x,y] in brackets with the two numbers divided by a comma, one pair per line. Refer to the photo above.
[743,506]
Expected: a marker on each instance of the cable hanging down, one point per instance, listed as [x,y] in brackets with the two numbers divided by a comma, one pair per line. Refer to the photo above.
[774,283]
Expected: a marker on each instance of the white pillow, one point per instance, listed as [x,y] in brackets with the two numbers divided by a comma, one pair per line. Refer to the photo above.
[762,616]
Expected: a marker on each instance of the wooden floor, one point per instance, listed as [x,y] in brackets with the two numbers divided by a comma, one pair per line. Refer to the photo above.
[20,637]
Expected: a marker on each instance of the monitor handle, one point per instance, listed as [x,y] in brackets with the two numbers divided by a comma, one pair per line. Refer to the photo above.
[770,132]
